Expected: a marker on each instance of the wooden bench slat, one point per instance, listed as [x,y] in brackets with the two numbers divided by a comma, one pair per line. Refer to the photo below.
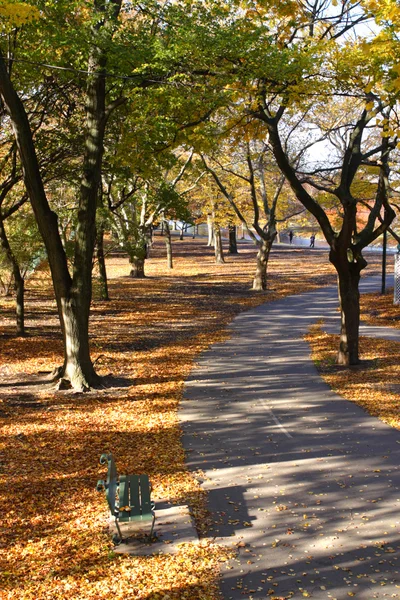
[145,494]
[123,494]
[134,495]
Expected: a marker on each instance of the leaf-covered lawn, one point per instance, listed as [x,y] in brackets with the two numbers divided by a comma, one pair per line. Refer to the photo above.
[373,385]
[54,538]
[380,310]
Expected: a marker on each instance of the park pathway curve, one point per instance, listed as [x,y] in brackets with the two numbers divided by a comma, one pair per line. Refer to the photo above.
[304,484]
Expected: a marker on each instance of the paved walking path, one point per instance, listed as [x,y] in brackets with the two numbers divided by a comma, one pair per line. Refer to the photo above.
[304,481]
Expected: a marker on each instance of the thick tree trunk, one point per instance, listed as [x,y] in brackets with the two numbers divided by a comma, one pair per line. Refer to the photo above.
[73,296]
[19,284]
[232,239]
[211,232]
[219,253]
[349,300]
[138,253]
[168,245]
[103,292]
[260,277]
[137,270]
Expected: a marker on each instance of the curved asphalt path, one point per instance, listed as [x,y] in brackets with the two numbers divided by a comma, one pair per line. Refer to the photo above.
[304,481]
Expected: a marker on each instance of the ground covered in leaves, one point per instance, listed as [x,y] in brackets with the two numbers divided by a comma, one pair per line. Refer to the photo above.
[374,385]
[54,537]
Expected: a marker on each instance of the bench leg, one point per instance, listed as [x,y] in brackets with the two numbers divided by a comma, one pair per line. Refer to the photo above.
[152,526]
[119,530]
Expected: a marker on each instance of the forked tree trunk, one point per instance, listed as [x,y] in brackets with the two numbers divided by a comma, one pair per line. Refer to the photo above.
[349,299]
[73,295]
[232,239]
[19,284]
[219,253]
[168,245]
[103,291]
[260,277]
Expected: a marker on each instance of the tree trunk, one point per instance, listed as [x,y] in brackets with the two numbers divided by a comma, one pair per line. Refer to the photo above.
[168,244]
[349,300]
[219,253]
[260,277]
[73,295]
[137,270]
[211,233]
[103,291]
[232,239]
[19,284]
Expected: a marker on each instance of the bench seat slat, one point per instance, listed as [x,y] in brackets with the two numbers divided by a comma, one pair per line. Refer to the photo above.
[134,495]
[145,495]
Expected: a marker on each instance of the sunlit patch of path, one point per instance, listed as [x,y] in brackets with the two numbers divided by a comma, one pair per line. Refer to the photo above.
[304,481]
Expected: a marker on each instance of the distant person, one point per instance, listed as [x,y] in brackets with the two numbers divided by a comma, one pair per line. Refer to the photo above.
[290,236]
[312,241]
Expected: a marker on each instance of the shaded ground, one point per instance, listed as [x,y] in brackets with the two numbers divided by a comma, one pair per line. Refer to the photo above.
[54,537]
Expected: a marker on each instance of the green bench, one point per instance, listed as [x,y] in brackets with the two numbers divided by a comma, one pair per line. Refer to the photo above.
[128,496]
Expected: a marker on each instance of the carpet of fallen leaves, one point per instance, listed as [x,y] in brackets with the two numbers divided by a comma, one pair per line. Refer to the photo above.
[372,385]
[54,540]
[378,309]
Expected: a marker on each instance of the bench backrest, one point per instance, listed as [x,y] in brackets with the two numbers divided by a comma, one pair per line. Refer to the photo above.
[111,485]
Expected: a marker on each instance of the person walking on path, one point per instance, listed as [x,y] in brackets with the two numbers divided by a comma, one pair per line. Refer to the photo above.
[290,236]
[312,241]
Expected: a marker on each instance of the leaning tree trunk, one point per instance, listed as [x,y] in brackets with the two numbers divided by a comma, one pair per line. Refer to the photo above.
[219,253]
[19,284]
[103,291]
[349,300]
[73,295]
[168,245]
[232,239]
[260,277]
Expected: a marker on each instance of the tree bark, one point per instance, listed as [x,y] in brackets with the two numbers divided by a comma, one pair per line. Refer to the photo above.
[19,284]
[137,270]
[168,245]
[211,233]
[349,301]
[103,292]
[260,277]
[232,239]
[219,253]
[73,295]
